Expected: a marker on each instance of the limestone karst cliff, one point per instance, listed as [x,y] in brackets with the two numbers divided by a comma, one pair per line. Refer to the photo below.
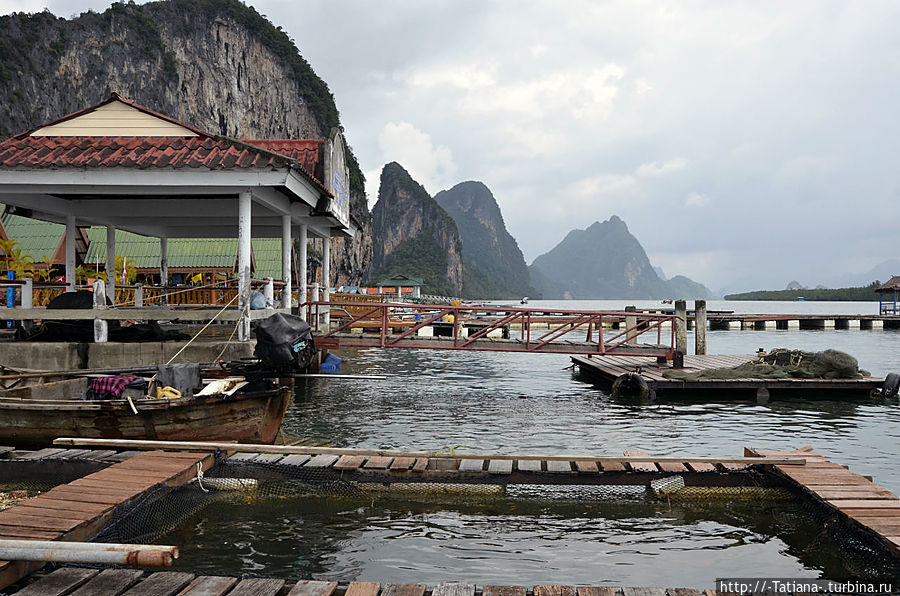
[414,235]
[215,64]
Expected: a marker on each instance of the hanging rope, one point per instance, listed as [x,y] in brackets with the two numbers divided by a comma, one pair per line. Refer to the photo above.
[202,329]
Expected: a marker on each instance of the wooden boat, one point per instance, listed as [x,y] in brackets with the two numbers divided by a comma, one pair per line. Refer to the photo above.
[42,407]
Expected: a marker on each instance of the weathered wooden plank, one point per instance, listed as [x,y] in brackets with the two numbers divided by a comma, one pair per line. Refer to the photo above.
[362,589]
[640,466]
[4,450]
[559,467]
[612,466]
[122,456]
[11,518]
[684,592]
[42,453]
[731,467]
[268,458]
[110,582]
[463,590]
[294,460]
[554,591]
[243,457]
[672,467]
[257,586]
[849,493]
[471,465]
[60,582]
[421,464]
[402,464]
[15,532]
[403,590]
[99,454]
[209,585]
[349,462]
[526,465]
[500,466]
[596,591]
[701,466]
[503,591]
[626,591]
[313,588]
[864,504]
[377,462]
[321,461]
[71,454]
[162,583]
[587,467]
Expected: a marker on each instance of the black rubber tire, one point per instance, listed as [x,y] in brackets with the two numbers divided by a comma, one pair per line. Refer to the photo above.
[891,385]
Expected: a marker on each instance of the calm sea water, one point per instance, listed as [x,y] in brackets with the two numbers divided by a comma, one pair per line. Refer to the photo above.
[480,401]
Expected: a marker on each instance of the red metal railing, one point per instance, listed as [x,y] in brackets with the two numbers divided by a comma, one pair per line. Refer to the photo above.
[561,325]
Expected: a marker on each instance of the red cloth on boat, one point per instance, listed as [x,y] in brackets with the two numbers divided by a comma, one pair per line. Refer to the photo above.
[107,387]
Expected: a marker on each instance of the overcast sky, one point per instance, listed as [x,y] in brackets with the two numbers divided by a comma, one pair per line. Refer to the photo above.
[744,144]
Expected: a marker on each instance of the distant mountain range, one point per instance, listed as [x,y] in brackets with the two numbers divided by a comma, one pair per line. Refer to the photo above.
[605,261]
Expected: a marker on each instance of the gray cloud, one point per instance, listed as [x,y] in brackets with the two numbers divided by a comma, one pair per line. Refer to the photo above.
[743,143]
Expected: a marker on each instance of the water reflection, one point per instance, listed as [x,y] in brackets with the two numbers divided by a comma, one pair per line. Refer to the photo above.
[515,541]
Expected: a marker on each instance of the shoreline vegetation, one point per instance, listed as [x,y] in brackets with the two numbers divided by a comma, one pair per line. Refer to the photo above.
[854,294]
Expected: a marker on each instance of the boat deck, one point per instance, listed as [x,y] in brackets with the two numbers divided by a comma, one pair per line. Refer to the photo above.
[606,369]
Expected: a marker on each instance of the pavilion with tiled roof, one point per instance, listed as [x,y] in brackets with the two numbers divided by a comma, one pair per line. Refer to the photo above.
[121,165]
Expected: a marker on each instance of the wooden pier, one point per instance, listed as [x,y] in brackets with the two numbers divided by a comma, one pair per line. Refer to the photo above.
[852,497]
[77,510]
[606,369]
[114,582]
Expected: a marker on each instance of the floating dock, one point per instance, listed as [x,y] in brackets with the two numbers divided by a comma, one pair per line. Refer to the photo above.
[604,370]
[77,510]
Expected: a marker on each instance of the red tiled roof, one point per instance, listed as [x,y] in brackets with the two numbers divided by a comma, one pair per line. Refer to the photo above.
[306,151]
[203,151]
[135,152]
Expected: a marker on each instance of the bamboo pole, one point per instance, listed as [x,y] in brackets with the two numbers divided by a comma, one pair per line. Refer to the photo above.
[54,551]
[303,450]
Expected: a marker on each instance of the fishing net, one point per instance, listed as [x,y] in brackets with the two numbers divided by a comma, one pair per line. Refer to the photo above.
[268,477]
[750,498]
[782,363]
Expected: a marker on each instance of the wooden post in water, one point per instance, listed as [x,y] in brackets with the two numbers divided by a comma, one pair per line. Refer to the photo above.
[681,326]
[700,327]
[630,324]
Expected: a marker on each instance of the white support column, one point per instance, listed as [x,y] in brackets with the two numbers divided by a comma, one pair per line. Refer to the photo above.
[269,292]
[28,301]
[111,263]
[101,327]
[244,231]
[301,265]
[164,268]
[326,278]
[286,260]
[70,253]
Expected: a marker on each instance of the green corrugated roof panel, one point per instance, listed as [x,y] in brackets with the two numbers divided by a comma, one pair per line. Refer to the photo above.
[186,252]
[36,238]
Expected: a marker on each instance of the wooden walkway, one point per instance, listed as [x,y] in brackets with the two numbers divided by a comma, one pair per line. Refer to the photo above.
[606,369]
[870,507]
[126,582]
[78,510]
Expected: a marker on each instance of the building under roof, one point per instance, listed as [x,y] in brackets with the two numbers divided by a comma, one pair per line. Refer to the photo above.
[123,166]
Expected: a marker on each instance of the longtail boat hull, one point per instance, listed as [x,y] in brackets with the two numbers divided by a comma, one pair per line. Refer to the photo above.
[254,416]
